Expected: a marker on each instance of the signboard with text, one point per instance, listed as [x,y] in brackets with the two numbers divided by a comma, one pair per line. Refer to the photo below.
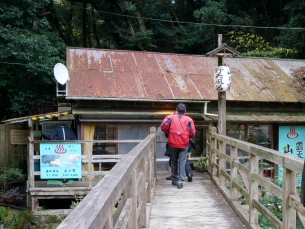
[60,160]
[291,143]
[19,137]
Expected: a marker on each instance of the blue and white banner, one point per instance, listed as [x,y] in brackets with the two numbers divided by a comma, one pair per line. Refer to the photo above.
[291,141]
[60,160]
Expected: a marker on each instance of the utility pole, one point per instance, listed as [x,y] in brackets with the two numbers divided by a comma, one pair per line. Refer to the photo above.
[222,114]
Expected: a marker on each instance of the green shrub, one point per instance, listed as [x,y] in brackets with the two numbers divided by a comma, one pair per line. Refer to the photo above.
[3,213]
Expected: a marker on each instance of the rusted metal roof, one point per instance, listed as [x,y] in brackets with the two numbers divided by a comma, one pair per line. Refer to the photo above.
[114,74]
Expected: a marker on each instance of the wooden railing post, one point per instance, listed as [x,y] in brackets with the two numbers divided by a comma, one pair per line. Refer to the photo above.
[233,173]
[253,189]
[90,164]
[141,212]
[109,224]
[153,131]
[133,195]
[289,188]
[213,154]
[147,182]
[222,163]
[31,159]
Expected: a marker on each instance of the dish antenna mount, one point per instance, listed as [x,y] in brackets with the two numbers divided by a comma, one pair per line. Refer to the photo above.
[62,77]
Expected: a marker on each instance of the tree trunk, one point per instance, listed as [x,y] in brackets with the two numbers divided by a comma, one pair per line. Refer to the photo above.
[55,23]
[96,36]
[141,22]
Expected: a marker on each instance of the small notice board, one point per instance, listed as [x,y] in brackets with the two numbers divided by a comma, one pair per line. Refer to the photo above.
[19,137]
[60,160]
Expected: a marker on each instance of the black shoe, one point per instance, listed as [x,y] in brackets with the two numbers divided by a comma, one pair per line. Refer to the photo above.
[180,186]
[189,179]
[169,178]
[174,183]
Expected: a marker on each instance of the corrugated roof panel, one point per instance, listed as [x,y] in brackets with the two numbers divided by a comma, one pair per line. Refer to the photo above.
[98,73]
[204,85]
[152,76]
[263,79]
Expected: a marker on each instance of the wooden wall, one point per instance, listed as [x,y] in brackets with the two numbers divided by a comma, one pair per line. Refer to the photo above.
[13,151]
[3,152]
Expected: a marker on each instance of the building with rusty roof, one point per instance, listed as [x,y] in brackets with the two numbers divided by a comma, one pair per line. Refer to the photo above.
[129,91]
[119,95]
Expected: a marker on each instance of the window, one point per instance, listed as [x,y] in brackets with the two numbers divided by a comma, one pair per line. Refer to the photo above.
[260,135]
[131,132]
[105,132]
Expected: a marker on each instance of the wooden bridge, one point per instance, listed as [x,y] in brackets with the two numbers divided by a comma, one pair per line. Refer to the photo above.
[135,194]
[197,205]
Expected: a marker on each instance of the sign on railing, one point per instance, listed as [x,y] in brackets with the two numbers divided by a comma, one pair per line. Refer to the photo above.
[291,143]
[60,160]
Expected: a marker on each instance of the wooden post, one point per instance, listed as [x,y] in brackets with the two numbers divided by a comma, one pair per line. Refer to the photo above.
[253,190]
[90,164]
[133,195]
[222,163]
[289,188]
[31,159]
[219,44]
[221,122]
[109,224]
[3,144]
[213,155]
[221,100]
[234,175]
[222,113]
[153,131]
[30,165]
[147,181]
[141,182]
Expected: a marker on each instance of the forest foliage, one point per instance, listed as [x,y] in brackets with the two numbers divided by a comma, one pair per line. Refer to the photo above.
[34,35]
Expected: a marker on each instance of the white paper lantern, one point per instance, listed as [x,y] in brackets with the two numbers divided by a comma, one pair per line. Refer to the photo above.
[223,78]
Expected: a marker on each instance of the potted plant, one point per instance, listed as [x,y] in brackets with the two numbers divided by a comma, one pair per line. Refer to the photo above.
[10,175]
[12,195]
[202,164]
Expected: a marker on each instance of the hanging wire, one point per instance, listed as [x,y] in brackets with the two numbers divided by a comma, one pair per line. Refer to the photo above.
[199,23]
[23,64]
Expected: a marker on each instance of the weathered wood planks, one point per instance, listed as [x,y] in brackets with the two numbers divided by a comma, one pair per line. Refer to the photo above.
[198,204]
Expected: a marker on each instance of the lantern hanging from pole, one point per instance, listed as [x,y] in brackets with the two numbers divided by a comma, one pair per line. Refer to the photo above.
[223,78]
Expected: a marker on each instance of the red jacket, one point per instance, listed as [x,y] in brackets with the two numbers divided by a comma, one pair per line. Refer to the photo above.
[180,129]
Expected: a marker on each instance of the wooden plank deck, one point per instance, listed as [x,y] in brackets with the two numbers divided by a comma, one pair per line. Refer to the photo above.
[197,205]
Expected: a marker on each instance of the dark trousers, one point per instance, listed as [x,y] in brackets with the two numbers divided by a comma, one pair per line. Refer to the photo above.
[178,159]
[188,168]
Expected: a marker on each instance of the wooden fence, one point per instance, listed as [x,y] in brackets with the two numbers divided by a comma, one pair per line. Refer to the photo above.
[226,179]
[122,199]
[39,189]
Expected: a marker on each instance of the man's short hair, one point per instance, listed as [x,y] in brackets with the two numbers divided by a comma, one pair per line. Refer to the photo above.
[181,108]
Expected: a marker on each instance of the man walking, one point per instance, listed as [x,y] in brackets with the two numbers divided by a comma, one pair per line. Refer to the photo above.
[180,129]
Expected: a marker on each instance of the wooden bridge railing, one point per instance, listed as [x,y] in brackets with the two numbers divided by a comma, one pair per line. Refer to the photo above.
[291,205]
[122,199]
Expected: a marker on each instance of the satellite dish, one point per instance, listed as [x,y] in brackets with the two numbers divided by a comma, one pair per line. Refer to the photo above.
[61,73]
